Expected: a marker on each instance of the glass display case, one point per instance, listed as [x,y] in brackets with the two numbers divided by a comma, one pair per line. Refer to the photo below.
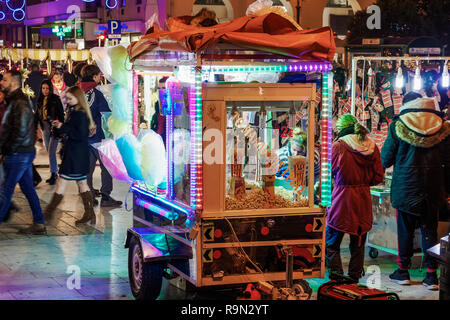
[267,152]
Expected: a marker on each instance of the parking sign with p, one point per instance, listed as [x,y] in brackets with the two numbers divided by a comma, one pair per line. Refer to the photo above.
[114,29]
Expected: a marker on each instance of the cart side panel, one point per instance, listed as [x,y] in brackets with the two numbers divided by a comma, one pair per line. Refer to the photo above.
[231,248]
[214,123]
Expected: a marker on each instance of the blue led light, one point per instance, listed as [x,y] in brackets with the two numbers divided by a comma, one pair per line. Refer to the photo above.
[184,210]
[2,15]
[109,6]
[15,10]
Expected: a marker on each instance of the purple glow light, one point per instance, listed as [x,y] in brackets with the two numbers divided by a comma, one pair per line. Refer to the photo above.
[310,66]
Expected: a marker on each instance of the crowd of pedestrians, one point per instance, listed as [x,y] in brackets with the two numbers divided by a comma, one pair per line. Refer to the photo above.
[66,112]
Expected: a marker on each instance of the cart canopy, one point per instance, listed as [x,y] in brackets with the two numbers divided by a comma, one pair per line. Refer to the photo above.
[270,32]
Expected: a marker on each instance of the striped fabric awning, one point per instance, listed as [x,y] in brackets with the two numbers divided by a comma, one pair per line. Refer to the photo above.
[16,54]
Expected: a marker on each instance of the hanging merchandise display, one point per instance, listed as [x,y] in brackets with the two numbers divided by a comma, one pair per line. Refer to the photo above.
[406,75]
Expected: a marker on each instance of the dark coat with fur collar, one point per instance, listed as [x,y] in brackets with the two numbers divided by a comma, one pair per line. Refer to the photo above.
[418,146]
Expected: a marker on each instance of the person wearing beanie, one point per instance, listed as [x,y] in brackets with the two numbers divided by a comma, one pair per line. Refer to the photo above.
[418,146]
[355,167]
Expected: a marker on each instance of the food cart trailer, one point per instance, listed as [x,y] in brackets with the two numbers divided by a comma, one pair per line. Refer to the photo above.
[223,218]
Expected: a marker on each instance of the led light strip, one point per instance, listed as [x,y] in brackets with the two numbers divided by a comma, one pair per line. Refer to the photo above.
[135,104]
[159,199]
[198,139]
[298,67]
[192,113]
[327,101]
[157,209]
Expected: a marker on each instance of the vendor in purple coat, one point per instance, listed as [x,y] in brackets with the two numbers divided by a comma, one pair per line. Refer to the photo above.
[356,165]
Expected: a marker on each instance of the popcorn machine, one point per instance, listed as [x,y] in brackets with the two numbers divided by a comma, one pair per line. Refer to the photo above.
[237,204]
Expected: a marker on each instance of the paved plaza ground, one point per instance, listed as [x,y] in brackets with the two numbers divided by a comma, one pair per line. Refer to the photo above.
[36,267]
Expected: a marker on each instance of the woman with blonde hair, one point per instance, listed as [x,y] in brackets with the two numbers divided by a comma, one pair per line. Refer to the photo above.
[355,166]
[75,159]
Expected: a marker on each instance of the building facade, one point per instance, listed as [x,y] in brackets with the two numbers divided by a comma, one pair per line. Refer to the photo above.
[78,23]
[56,24]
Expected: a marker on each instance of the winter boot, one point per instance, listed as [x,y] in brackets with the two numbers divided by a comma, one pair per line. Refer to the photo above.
[89,214]
[52,179]
[56,200]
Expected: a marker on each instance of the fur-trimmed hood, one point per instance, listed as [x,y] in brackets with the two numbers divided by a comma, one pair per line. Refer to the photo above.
[416,134]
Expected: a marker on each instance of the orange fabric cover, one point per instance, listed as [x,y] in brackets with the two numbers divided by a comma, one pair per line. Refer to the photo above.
[270,32]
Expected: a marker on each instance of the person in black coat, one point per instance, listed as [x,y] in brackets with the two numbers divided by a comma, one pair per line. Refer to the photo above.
[34,81]
[418,146]
[49,108]
[75,160]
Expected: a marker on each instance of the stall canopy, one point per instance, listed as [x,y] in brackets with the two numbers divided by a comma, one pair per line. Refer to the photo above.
[16,54]
[269,32]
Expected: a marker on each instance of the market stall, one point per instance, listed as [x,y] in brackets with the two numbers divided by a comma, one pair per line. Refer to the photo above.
[17,55]
[217,197]
[375,100]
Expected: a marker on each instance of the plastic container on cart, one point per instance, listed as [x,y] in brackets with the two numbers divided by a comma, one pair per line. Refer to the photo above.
[383,236]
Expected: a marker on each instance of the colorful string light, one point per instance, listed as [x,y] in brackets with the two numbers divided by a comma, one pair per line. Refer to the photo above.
[297,67]
[135,104]
[327,98]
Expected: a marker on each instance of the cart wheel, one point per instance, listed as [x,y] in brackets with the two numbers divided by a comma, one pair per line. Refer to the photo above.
[302,286]
[145,278]
[373,253]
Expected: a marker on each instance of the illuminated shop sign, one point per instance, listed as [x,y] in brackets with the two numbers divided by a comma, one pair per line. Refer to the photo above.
[62,31]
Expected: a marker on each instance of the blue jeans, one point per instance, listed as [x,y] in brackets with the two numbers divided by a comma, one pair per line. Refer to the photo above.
[51,145]
[18,170]
[333,239]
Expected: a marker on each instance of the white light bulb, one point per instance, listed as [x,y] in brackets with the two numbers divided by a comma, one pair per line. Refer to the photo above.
[445,78]
[399,79]
[349,85]
[417,83]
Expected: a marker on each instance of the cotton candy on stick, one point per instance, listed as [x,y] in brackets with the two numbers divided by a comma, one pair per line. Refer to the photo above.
[130,149]
[116,127]
[121,106]
[112,160]
[153,158]
[120,65]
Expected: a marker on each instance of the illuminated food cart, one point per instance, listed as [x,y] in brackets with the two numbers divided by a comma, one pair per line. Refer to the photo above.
[225,216]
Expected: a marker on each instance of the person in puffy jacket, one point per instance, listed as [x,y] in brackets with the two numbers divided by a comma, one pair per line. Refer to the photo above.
[418,146]
[17,150]
[356,165]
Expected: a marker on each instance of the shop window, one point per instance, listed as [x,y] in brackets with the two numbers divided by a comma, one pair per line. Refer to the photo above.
[181,149]
[138,9]
[138,2]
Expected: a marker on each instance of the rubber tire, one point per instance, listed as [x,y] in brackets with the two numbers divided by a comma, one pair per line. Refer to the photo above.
[151,274]
[305,286]
[373,253]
